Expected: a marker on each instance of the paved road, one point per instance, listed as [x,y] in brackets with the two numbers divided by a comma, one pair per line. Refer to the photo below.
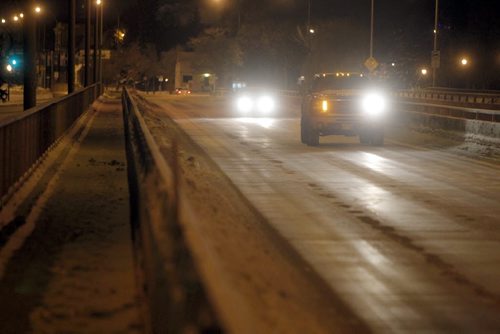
[408,234]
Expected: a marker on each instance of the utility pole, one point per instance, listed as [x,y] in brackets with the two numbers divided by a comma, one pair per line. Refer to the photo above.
[88,14]
[239,15]
[71,46]
[435,60]
[96,42]
[371,29]
[29,56]
[101,23]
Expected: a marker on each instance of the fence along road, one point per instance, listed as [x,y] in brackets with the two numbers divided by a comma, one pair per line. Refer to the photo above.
[26,138]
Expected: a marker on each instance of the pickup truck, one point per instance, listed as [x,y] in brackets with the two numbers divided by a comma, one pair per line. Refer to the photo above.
[348,104]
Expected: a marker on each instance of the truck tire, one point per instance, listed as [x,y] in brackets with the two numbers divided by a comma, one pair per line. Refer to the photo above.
[313,137]
[303,130]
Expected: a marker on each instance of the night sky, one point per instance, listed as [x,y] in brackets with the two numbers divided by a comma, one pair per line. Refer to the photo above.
[414,16]
[403,28]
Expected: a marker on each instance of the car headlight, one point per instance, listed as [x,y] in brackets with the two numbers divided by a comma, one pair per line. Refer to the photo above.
[244,104]
[265,104]
[374,104]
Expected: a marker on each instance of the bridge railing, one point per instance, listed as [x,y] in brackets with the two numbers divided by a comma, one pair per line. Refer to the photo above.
[479,114]
[175,296]
[26,139]
[486,100]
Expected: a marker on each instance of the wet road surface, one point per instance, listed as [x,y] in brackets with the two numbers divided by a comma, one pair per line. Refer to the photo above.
[407,236]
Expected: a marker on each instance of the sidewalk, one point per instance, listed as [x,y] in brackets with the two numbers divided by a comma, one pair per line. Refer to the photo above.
[66,262]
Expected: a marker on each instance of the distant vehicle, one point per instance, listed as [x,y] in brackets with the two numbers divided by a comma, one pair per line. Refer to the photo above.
[254,102]
[182,91]
[346,104]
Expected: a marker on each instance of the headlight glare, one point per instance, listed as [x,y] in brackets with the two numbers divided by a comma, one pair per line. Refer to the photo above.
[374,104]
[244,104]
[265,104]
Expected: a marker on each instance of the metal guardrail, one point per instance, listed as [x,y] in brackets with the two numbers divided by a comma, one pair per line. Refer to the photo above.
[26,138]
[487,100]
[453,111]
[176,299]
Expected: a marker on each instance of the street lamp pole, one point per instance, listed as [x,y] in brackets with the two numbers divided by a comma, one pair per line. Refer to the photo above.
[434,65]
[88,14]
[308,15]
[71,46]
[100,43]
[371,28]
[239,14]
[96,41]
[29,56]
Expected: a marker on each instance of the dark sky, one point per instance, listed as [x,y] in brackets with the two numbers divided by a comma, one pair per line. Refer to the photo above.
[390,14]
[479,15]
[413,18]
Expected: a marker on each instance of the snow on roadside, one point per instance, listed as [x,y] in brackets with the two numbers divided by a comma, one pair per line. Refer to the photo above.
[277,288]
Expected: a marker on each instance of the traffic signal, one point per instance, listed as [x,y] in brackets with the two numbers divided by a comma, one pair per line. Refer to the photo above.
[14,62]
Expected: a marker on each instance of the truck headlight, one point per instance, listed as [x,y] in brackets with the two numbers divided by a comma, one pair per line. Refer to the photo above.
[244,104]
[265,104]
[374,104]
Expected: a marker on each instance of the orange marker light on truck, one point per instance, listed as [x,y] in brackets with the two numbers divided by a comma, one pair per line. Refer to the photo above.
[324,105]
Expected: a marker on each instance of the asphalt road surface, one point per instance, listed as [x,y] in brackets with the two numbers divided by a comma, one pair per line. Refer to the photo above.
[407,235]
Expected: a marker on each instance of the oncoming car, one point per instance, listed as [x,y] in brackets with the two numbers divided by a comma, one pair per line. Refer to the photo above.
[182,91]
[347,104]
[251,102]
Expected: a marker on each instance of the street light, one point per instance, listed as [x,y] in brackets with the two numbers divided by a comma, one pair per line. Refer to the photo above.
[435,59]
[464,61]
[38,9]
[424,71]
[98,41]
[3,21]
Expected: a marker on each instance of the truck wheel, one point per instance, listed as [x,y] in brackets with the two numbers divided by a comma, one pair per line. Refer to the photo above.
[313,137]
[303,131]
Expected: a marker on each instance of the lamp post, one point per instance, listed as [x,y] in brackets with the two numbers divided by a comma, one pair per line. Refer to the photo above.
[101,24]
[98,41]
[29,56]
[309,15]
[371,28]
[435,59]
[71,46]
[88,14]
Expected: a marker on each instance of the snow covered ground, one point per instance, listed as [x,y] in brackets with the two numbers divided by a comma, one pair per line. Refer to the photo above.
[66,261]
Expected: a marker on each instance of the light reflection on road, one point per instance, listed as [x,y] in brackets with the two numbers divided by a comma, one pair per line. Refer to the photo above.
[266,123]
[384,226]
